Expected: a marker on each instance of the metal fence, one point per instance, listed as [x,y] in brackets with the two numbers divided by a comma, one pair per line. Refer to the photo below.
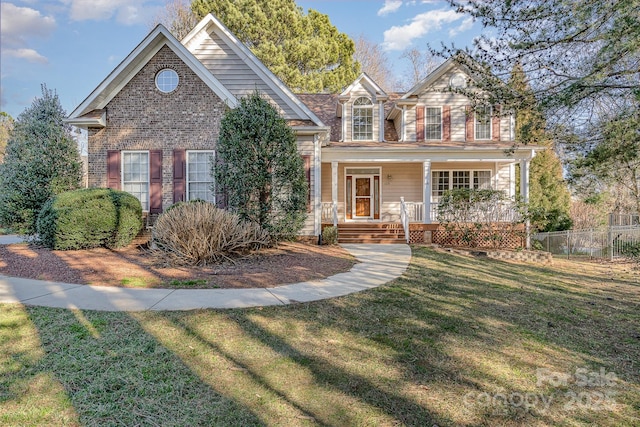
[611,243]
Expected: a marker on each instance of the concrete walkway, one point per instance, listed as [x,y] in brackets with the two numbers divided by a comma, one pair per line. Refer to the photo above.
[378,264]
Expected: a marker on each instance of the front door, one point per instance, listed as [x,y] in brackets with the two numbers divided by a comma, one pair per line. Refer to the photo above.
[363,196]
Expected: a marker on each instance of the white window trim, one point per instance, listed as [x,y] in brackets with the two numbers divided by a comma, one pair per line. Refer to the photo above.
[441,123]
[155,79]
[373,118]
[471,171]
[344,186]
[122,155]
[187,181]
[475,123]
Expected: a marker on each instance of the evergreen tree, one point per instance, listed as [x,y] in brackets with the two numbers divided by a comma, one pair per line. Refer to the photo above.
[306,52]
[611,161]
[549,198]
[41,160]
[259,168]
[6,125]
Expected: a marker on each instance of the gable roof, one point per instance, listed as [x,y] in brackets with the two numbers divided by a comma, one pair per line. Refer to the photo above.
[288,102]
[134,62]
[436,74]
[367,82]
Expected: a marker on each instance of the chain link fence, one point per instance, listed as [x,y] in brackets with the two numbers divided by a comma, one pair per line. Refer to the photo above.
[612,243]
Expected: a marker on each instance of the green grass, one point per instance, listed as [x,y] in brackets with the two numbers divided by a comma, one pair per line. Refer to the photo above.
[439,345]
[188,283]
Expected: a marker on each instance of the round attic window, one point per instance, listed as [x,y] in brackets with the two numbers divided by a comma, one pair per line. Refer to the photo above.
[167,80]
[458,81]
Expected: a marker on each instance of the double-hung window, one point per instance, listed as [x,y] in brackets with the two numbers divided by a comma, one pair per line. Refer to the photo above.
[433,123]
[362,118]
[135,175]
[483,122]
[199,176]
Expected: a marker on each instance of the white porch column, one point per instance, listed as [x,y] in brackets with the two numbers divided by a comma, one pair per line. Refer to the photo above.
[524,180]
[317,184]
[343,137]
[426,188]
[334,192]
[381,121]
[524,193]
[403,126]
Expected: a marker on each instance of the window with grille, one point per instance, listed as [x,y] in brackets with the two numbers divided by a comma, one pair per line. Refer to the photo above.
[199,177]
[433,123]
[135,175]
[483,122]
[449,180]
[440,183]
[362,118]
[482,180]
[460,179]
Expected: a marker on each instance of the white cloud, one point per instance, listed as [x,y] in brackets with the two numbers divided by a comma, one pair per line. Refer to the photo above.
[390,6]
[400,37]
[127,12]
[27,54]
[17,24]
[464,26]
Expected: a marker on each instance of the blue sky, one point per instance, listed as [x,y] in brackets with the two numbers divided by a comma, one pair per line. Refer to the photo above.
[72,45]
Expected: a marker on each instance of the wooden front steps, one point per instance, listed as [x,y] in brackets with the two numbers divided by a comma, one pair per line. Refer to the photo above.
[370,233]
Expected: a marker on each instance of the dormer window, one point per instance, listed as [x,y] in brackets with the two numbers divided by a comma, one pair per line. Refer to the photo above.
[362,119]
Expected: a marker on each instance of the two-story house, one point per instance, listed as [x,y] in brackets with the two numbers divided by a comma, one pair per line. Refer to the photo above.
[153,125]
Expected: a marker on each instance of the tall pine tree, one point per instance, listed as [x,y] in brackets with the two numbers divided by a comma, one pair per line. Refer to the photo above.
[306,52]
[549,197]
[41,160]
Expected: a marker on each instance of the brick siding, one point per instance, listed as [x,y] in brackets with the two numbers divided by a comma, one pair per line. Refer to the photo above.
[140,117]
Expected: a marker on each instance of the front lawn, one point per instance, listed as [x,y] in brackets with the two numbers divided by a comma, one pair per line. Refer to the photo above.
[455,341]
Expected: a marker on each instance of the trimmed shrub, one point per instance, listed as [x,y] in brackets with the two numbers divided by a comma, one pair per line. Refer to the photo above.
[89,218]
[330,235]
[200,234]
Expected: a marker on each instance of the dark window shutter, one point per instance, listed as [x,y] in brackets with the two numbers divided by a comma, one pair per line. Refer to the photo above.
[113,169]
[446,123]
[495,124]
[307,173]
[155,181]
[179,176]
[419,123]
[469,119]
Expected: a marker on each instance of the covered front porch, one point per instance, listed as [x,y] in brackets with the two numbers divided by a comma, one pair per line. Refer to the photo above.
[396,192]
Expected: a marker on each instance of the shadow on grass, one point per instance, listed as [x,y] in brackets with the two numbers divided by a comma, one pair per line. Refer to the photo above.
[114,373]
[420,350]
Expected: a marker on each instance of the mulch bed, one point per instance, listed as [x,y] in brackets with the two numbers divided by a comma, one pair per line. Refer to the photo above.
[135,266]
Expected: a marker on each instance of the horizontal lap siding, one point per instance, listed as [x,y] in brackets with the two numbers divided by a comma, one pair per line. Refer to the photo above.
[233,72]
[306,148]
[503,177]
[437,95]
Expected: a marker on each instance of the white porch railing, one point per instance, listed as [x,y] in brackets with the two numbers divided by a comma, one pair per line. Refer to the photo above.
[404,218]
[501,213]
[330,212]
[414,211]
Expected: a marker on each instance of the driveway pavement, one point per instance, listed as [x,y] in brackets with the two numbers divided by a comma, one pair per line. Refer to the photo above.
[378,264]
